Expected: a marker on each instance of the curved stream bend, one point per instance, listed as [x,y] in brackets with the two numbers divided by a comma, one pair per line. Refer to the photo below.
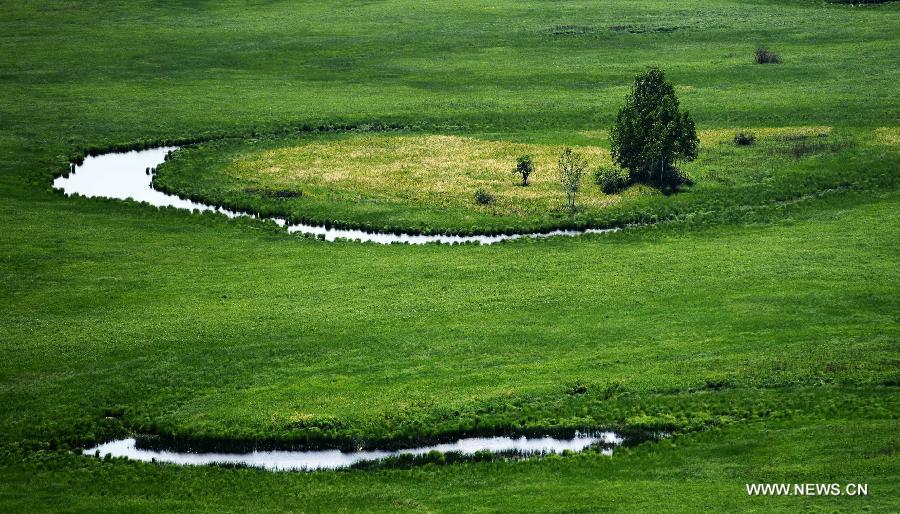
[124,175]
[285,460]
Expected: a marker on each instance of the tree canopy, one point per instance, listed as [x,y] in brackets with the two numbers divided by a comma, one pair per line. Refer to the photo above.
[524,167]
[650,135]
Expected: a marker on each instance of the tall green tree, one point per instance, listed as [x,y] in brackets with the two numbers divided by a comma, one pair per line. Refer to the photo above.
[650,135]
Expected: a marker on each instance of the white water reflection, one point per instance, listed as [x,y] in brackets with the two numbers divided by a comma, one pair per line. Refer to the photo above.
[287,460]
[124,175]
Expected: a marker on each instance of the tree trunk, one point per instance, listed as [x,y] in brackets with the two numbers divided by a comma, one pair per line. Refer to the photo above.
[662,167]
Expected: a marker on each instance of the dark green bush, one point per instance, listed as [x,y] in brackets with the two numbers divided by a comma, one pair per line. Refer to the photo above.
[744,138]
[765,56]
[611,179]
[482,197]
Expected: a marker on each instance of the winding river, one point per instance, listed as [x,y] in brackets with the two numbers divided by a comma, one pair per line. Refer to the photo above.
[127,175]
[313,460]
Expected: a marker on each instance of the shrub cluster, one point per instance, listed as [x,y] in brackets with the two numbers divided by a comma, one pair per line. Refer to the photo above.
[744,138]
[611,179]
[765,56]
[482,197]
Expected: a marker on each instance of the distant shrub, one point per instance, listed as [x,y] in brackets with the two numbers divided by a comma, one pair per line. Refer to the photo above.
[744,138]
[482,197]
[577,387]
[716,382]
[765,56]
[611,179]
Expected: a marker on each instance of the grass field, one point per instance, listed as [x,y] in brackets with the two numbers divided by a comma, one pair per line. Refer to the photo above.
[758,323]
[426,183]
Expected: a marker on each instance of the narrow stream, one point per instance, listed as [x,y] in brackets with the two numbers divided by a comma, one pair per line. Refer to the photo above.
[288,460]
[124,175]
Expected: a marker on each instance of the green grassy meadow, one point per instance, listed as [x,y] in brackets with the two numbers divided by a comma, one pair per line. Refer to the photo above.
[754,316]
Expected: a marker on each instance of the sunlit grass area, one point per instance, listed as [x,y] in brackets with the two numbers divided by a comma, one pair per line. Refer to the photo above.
[428,182]
[434,170]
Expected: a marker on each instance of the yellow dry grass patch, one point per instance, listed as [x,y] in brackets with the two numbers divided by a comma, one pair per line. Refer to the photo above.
[888,136]
[439,170]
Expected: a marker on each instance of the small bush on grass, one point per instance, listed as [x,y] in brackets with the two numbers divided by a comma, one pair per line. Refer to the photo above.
[482,197]
[744,138]
[577,387]
[611,179]
[765,56]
